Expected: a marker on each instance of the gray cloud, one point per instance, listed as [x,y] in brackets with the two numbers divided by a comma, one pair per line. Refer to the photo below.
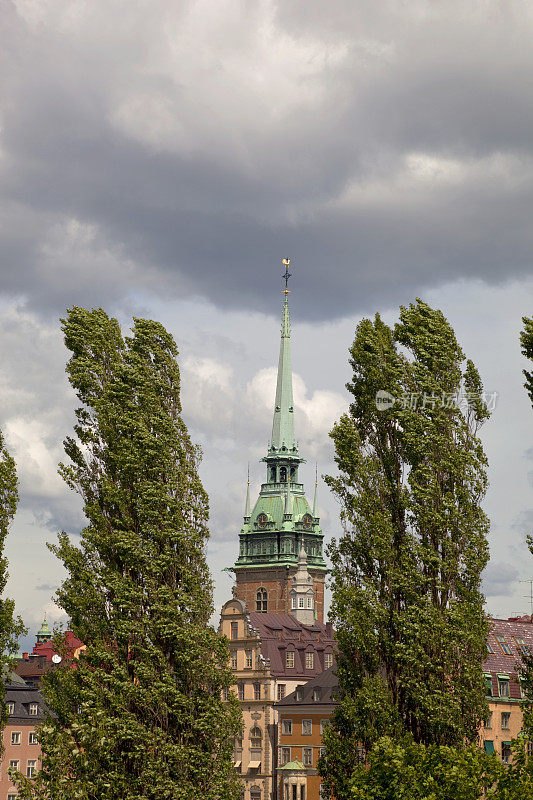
[500,580]
[187,152]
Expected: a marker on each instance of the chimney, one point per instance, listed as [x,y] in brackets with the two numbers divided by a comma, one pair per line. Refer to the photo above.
[25,656]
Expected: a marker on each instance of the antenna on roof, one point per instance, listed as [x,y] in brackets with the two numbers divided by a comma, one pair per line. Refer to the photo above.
[530,595]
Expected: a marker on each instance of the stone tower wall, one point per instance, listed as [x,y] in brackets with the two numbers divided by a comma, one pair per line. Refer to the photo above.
[277,582]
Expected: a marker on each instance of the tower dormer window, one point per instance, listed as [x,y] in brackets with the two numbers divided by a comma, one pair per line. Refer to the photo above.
[283,474]
[262,600]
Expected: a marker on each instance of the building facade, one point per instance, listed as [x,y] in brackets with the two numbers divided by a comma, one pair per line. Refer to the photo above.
[302,717]
[271,654]
[21,747]
[282,521]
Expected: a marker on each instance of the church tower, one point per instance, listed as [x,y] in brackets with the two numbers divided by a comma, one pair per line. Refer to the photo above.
[281,536]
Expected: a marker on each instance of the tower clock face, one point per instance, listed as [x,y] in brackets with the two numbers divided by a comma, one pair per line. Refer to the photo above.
[262,520]
[307,520]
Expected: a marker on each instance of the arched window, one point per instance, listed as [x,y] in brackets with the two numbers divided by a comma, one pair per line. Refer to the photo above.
[283,474]
[256,738]
[262,600]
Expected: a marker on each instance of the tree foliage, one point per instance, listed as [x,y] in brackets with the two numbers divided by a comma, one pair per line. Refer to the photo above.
[140,714]
[407,603]
[11,627]
[526,341]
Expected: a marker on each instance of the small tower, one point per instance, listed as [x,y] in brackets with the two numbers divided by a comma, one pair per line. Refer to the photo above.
[45,634]
[302,593]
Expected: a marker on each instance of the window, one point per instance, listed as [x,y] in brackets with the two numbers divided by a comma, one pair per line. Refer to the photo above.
[287,727]
[249,659]
[299,693]
[10,708]
[261,600]
[309,660]
[323,723]
[503,686]
[256,738]
[309,602]
[307,727]
[321,752]
[257,691]
[289,656]
[488,721]
[255,794]
[281,691]
[12,797]
[234,660]
[285,755]
[13,764]
[328,660]
[490,651]
[234,630]
[502,641]
[308,756]
[15,737]
[293,602]
[34,709]
[301,602]
[316,695]
[31,768]
[522,646]
[488,686]
[506,716]
[33,738]
[224,693]
[506,752]
[488,744]
[240,690]
[529,749]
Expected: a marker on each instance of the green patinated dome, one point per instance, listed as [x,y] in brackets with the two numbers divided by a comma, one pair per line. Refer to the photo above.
[44,634]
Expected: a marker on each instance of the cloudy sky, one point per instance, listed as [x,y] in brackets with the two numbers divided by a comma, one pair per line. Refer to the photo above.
[160,158]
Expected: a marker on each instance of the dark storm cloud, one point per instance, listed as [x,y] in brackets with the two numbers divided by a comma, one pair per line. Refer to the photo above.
[189,150]
[500,579]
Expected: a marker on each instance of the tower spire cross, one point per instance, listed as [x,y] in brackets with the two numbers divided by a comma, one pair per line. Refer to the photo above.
[286,262]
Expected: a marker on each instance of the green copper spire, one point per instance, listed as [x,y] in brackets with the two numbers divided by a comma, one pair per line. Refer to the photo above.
[283,439]
[315,501]
[281,521]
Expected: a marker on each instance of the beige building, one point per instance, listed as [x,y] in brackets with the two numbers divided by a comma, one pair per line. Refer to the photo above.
[271,655]
[21,748]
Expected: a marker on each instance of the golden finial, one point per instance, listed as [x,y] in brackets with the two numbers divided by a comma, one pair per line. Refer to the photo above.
[286,262]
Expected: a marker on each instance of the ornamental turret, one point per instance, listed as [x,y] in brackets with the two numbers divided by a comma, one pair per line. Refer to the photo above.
[282,521]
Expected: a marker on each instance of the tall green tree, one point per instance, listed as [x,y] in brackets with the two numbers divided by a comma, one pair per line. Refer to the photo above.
[407,603]
[11,627]
[140,715]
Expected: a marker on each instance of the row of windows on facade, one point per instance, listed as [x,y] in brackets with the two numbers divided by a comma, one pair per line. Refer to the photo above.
[307,727]
[506,647]
[310,755]
[31,766]
[295,792]
[289,661]
[268,548]
[505,719]
[33,709]
[505,751]
[16,737]
[503,686]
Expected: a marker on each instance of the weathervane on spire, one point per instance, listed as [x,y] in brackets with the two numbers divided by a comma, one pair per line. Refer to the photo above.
[287,274]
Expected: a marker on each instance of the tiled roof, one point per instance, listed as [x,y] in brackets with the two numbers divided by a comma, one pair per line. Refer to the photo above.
[497,662]
[327,682]
[21,695]
[282,632]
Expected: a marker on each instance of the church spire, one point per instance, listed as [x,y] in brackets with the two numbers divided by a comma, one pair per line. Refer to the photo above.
[283,439]
[315,501]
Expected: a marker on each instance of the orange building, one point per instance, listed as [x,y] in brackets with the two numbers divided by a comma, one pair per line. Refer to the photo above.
[302,716]
[21,748]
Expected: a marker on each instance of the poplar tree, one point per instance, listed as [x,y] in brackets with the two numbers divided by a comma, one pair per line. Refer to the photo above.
[407,603]
[11,627]
[140,715]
